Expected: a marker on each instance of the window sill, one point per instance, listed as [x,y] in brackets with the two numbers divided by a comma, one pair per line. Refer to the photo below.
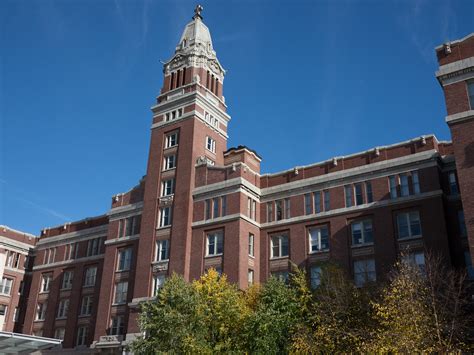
[170,169]
[43,292]
[319,252]
[171,147]
[164,227]
[88,286]
[38,320]
[164,261]
[5,295]
[410,238]
[362,245]
[252,256]
[116,304]
[213,255]
[124,270]
[65,289]
[61,318]
[279,257]
[84,315]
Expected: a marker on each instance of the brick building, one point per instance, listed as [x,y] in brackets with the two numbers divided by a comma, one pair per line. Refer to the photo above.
[202,205]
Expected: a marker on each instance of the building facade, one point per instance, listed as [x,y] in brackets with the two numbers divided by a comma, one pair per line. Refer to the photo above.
[202,205]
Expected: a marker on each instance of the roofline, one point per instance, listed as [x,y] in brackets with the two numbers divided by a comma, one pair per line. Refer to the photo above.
[17,231]
[240,148]
[76,222]
[455,41]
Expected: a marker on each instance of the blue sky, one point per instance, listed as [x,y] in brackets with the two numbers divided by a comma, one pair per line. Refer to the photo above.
[306,81]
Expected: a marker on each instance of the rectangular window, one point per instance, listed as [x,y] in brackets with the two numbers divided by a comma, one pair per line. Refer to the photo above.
[409,225]
[415,182]
[49,256]
[279,246]
[93,246]
[462,224]
[86,306]
[6,286]
[215,243]
[165,216]
[224,205]
[251,244]
[279,210]
[308,206]
[90,276]
[327,200]
[215,207]
[417,259]
[46,282]
[318,239]
[132,226]
[359,194]
[250,277]
[470,91]
[121,290]
[118,325]
[317,202]
[16,314]
[287,208]
[254,210]
[158,282]
[63,308]
[453,183]
[207,207]
[171,140]
[41,311]
[364,271]
[82,333]
[167,187]
[362,232]
[315,276]
[404,189]
[124,259]
[67,280]
[269,211]
[162,250]
[368,192]
[169,162]
[210,144]
[251,208]
[71,251]
[59,333]
[348,195]
[393,186]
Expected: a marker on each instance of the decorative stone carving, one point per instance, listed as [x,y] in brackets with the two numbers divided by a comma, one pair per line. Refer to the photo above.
[166,200]
[163,266]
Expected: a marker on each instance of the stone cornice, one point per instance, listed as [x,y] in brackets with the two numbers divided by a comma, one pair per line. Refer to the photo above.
[460,117]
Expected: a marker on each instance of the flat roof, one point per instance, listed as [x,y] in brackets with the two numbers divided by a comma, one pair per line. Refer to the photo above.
[14,343]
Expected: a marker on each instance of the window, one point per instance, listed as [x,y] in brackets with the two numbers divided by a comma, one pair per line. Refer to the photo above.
[417,259]
[129,226]
[118,325]
[210,144]
[269,211]
[318,239]
[453,184]
[167,187]
[90,276]
[462,224]
[16,314]
[279,246]
[215,242]
[362,232]
[93,246]
[283,276]
[327,200]
[3,309]
[279,210]
[207,206]
[41,311]
[251,208]
[215,209]
[171,140]
[21,288]
[165,216]
[162,250]
[409,225]
[49,256]
[224,205]
[124,259]
[82,335]
[63,308]
[315,276]
[12,260]
[359,197]
[415,182]
[364,271]
[348,195]
[393,186]
[6,286]
[251,244]
[250,277]
[307,204]
[404,189]
[470,91]
[59,333]
[121,289]
[67,280]
[158,282]
[468,262]
[71,251]
[46,282]
[169,162]
[368,192]
[287,208]
[86,306]
[317,202]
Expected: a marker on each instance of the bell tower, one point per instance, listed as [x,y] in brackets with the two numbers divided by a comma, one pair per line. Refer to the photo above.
[189,126]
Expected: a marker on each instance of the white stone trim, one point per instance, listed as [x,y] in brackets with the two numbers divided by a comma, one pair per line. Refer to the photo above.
[228,218]
[243,149]
[65,238]
[441,46]
[454,67]
[220,193]
[9,243]
[125,211]
[122,240]
[225,185]
[460,117]
[13,270]
[69,262]
[352,209]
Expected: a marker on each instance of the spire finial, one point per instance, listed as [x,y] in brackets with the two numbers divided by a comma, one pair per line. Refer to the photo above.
[197,12]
